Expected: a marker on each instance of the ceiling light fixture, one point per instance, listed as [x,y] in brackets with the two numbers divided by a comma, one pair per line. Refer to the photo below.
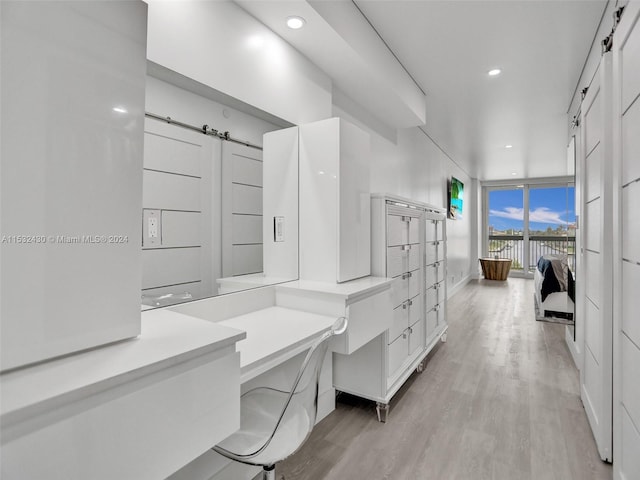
[120,109]
[508,146]
[494,72]
[295,22]
[513,173]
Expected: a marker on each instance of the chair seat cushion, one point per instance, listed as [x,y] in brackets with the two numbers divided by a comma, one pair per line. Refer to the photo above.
[259,412]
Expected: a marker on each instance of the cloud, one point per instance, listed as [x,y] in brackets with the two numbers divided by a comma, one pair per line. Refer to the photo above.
[539,215]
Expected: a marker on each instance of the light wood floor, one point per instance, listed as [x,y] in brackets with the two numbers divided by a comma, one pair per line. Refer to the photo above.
[500,400]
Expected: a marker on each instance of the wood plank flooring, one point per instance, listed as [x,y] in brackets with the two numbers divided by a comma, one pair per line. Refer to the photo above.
[500,400]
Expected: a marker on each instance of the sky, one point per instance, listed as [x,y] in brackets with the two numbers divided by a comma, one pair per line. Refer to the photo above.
[548,207]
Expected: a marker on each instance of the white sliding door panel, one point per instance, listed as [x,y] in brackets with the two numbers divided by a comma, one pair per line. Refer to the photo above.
[247,171]
[630,355]
[596,373]
[181,229]
[247,199]
[593,165]
[593,281]
[170,154]
[592,225]
[631,305]
[628,465]
[170,266]
[626,194]
[631,143]
[247,259]
[242,205]
[247,229]
[593,331]
[169,191]
[178,182]
[629,219]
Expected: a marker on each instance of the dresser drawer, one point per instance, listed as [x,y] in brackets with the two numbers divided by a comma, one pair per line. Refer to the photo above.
[402,230]
[415,309]
[402,258]
[434,296]
[405,286]
[400,321]
[430,253]
[430,275]
[431,227]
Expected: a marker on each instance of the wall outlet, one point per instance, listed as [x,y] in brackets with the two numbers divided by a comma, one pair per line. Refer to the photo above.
[151,228]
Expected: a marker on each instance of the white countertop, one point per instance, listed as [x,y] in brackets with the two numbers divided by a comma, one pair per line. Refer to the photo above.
[274,335]
[167,338]
[351,291]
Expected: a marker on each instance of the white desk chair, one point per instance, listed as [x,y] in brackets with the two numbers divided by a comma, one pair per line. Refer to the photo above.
[273,423]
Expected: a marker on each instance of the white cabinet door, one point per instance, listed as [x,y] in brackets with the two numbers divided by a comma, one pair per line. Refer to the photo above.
[416,337]
[397,353]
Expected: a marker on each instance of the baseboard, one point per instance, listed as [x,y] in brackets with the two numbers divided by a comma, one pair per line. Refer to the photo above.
[573,347]
[451,291]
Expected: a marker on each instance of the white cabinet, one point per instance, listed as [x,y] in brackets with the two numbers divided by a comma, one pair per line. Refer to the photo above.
[434,273]
[335,220]
[71,188]
[399,247]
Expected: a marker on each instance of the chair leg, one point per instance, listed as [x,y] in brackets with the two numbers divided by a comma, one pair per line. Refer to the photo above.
[269,473]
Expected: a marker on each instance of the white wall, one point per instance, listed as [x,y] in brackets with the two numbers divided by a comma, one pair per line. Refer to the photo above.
[218,44]
[411,165]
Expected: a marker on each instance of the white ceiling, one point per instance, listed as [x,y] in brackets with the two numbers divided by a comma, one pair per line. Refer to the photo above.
[448,46]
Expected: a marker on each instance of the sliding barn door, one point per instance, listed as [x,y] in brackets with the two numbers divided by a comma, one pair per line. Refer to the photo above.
[627,259]
[241,210]
[596,272]
[177,212]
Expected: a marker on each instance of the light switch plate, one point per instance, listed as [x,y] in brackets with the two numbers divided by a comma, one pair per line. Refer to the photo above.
[278,229]
[151,228]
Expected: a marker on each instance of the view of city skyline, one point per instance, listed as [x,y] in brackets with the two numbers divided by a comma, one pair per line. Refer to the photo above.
[549,208]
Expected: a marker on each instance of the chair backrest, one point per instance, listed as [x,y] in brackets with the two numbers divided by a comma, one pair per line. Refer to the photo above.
[304,391]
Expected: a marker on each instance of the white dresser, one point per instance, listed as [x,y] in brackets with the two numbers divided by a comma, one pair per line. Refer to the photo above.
[408,245]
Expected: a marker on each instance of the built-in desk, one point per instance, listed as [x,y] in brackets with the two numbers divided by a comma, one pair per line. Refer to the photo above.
[281,322]
[274,335]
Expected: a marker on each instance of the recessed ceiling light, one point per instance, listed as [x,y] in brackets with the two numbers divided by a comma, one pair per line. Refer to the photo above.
[513,173]
[120,109]
[494,72]
[295,22]
[508,146]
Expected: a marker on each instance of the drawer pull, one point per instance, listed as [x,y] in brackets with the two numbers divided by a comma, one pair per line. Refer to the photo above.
[404,306]
[409,275]
[406,247]
[410,329]
[405,276]
[410,302]
[404,334]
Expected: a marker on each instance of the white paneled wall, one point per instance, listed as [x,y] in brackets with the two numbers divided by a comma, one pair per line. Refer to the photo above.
[626,393]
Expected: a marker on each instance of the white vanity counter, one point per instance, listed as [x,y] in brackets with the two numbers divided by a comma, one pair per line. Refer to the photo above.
[351,291]
[274,335]
[134,401]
